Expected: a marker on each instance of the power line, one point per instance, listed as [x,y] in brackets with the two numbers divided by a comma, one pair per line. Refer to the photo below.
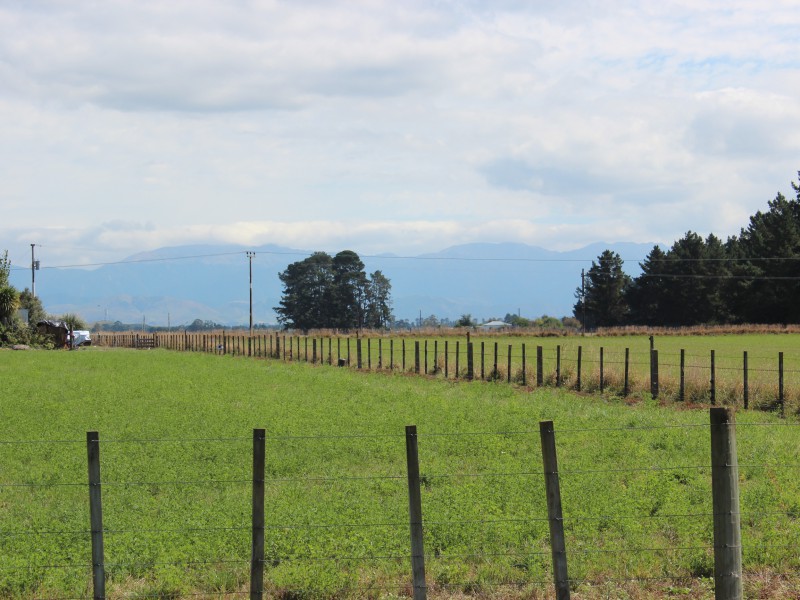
[438,258]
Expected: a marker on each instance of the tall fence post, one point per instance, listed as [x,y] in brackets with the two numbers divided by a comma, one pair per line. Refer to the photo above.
[601,369]
[508,367]
[626,384]
[780,384]
[416,357]
[415,514]
[483,360]
[725,501]
[682,392]
[470,362]
[96,515]
[580,356]
[554,516]
[713,380]
[558,365]
[358,353]
[257,553]
[654,373]
[745,383]
[524,375]
[539,366]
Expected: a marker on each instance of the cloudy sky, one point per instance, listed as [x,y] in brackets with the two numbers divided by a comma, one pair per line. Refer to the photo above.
[389,126]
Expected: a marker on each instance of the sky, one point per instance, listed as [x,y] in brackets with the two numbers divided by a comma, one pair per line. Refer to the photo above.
[402,127]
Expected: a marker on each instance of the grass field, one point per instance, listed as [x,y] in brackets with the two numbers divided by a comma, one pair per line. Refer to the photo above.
[176,430]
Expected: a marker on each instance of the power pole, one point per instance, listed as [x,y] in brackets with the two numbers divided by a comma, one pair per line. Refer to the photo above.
[583,301]
[250,256]
[34,268]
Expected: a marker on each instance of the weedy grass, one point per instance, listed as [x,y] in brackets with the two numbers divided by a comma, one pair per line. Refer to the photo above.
[176,438]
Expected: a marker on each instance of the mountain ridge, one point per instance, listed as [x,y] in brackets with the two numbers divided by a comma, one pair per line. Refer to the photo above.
[177,284]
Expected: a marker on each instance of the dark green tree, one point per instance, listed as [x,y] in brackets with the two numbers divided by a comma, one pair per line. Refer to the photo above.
[9,297]
[603,293]
[645,296]
[324,292]
[33,305]
[349,290]
[379,301]
[769,249]
[307,300]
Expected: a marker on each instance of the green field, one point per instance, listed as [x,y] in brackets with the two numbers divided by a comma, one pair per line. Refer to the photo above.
[176,432]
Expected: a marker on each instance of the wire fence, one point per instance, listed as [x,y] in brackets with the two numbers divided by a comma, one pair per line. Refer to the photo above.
[412,514]
[769,381]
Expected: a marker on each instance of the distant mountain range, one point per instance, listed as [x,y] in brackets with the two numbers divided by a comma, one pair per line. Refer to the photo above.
[183,283]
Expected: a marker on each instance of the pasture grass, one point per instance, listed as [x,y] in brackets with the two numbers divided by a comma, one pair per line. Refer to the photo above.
[176,428]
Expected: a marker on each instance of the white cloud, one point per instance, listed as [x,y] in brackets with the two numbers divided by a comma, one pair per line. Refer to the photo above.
[391,126]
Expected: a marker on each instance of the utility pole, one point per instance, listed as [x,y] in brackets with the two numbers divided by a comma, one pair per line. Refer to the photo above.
[583,301]
[250,256]
[34,268]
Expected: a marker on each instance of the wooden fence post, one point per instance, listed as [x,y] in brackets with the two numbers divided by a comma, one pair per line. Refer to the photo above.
[558,365]
[713,380]
[391,354]
[601,369]
[415,514]
[725,501]
[483,360]
[446,359]
[96,515]
[416,357]
[539,366]
[578,383]
[380,353]
[470,362]
[626,384]
[425,372]
[745,382]
[682,392]
[257,548]
[458,353]
[654,373]
[508,367]
[554,515]
[780,384]
[348,352]
[314,351]
[524,375]
[358,353]
[403,350]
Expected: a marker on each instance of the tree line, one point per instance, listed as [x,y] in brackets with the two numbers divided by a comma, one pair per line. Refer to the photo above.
[753,277]
[333,292]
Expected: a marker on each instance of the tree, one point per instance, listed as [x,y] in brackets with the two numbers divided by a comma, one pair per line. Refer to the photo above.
[770,250]
[307,298]
[9,298]
[33,305]
[74,322]
[349,290]
[604,293]
[465,320]
[645,296]
[379,310]
[324,292]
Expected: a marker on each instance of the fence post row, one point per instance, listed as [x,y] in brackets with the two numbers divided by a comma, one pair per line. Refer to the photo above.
[725,502]
[554,515]
[96,515]
[415,514]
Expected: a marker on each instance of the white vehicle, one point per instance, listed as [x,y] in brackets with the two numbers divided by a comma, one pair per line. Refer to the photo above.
[81,337]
